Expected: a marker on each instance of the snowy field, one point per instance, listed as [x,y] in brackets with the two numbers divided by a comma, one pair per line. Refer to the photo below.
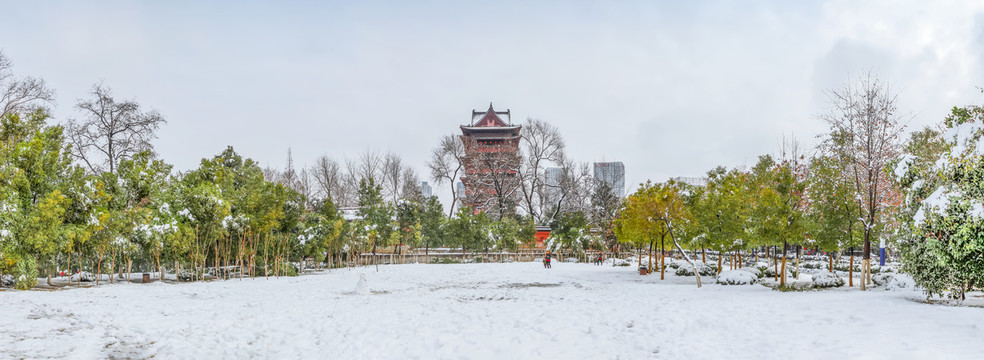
[484,311]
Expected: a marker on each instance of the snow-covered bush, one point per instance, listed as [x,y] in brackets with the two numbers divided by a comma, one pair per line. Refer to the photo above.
[827,280]
[185,275]
[736,277]
[618,262]
[881,279]
[755,271]
[686,270]
[7,280]
[83,276]
[814,265]
[901,281]
[770,271]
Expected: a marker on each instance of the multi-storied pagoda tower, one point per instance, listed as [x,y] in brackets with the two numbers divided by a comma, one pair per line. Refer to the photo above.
[492,161]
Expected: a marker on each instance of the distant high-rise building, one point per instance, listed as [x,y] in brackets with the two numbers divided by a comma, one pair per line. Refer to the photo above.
[459,194]
[425,190]
[553,176]
[612,173]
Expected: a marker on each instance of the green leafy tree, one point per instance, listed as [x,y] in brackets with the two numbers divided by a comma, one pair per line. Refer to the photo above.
[468,230]
[38,175]
[831,212]
[571,231]
[656,210]
[943,246]
[376,216]
[431,221]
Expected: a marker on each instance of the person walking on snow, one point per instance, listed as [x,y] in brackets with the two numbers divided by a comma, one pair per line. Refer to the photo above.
[546,260]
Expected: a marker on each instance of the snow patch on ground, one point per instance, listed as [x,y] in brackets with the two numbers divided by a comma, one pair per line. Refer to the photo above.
[480,311]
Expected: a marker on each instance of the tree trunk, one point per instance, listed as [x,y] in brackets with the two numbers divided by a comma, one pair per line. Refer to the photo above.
[662,256]
[775,261]
[866,256]
[782,278]
[850,270]
[99,267]
[685,256]
[798,249]
[720,255]
[651,254]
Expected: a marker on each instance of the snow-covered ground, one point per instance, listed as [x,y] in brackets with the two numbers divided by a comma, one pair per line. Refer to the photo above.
[485,311]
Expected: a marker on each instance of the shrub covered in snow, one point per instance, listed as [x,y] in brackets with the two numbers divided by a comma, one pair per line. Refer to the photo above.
[814,258]
[186,275]
[827,280]
[814,265]
[901,281]
[618,262]
[686,270]
[770,271]
[83,276]
[737,277]
[754,270]
[7,280]
[881,279]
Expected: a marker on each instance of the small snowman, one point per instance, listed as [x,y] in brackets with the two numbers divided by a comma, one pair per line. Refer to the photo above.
[362,288]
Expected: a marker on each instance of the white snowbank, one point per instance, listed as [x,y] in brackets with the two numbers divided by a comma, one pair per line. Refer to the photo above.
[480,311]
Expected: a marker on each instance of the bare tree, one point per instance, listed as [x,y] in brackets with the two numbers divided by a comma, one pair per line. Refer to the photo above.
[289,176]
[572,192]
[305,186]
[329,177]
[110,131]
[446,164]
[542,145]
[411,186]
[369,165]
[302,182]
[23,94]
[392,176]
[271,174]
[865,113]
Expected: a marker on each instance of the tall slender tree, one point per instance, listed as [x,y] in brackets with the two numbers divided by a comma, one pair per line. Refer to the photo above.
[865,113]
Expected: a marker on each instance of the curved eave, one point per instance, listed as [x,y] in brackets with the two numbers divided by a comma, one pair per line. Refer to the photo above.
[490,128]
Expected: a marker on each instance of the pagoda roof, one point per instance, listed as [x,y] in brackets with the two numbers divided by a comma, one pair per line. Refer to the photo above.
[490,118]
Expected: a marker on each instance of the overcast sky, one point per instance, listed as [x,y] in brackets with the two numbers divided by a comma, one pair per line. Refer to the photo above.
[669,88]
